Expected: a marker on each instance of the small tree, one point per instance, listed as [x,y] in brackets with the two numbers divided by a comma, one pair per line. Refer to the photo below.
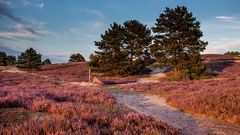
[46,61]
[3,59]
[76,58]
[29,59]
[11,60]
[177,36]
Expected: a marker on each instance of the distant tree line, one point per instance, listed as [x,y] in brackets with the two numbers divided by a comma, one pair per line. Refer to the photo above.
[6,59]
[232,53]
[176,41]
[30,59]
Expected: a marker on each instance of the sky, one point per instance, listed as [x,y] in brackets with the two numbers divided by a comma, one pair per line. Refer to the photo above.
[58,28]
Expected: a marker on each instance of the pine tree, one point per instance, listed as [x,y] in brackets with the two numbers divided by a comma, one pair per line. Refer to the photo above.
[46,61]
[123,49]
[29,59]
[111,54]
[137,40]
[76,57]
[3,59]
[11,60]
[177,34]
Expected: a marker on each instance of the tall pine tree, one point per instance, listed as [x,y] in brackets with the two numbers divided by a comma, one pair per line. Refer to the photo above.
[111,54]
[177,36]
[123,49]
[137,41]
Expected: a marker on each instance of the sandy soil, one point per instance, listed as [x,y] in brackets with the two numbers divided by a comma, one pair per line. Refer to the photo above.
[159,109]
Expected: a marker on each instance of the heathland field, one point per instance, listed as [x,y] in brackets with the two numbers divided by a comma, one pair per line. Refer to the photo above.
[54,101]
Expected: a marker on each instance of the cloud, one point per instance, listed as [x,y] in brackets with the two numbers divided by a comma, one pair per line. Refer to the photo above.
[24,31]
[18,27]
[5,12]
[225,17]
[96,13]
[40,5]
[9,50]
[231,19]
[26,2]
[223,45]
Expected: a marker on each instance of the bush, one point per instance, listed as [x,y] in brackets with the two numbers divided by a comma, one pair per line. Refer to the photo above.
[191,68]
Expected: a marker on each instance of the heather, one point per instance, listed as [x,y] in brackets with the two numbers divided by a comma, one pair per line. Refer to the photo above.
[212,57]
[217,97]
[72,72]
[46,105]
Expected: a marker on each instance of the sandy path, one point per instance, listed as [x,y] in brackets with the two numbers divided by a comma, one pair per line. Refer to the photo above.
[157,108]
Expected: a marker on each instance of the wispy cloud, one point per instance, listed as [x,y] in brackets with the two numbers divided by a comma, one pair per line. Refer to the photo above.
[20,28]
[223,45]
[40,5]
[231,19]
[23,31]
[98,14]
[94,12]
[6,12]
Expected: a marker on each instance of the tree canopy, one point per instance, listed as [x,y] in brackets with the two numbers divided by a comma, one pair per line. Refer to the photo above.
[177,39]
[29,59]
[3,59]
[123,49]
[46,61]
[232,53]
[11,60]
[76,57]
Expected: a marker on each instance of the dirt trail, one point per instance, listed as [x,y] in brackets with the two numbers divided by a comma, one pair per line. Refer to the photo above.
[157,108]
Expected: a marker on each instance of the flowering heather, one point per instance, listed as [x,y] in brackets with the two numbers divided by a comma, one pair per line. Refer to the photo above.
[53,106]
[216,97]
[212,57]
[74,72]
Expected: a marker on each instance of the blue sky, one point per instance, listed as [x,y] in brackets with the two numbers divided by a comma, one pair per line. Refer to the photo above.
[58,28]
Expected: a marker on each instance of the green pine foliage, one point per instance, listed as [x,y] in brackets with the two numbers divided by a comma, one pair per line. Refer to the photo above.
[177,42]
[232,53]
[191,68]
[76,57]
[3,59]
[11,60]
[29,59]
[123,49]
[46,61]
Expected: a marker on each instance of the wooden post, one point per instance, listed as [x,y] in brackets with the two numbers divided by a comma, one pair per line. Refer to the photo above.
[89,77]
